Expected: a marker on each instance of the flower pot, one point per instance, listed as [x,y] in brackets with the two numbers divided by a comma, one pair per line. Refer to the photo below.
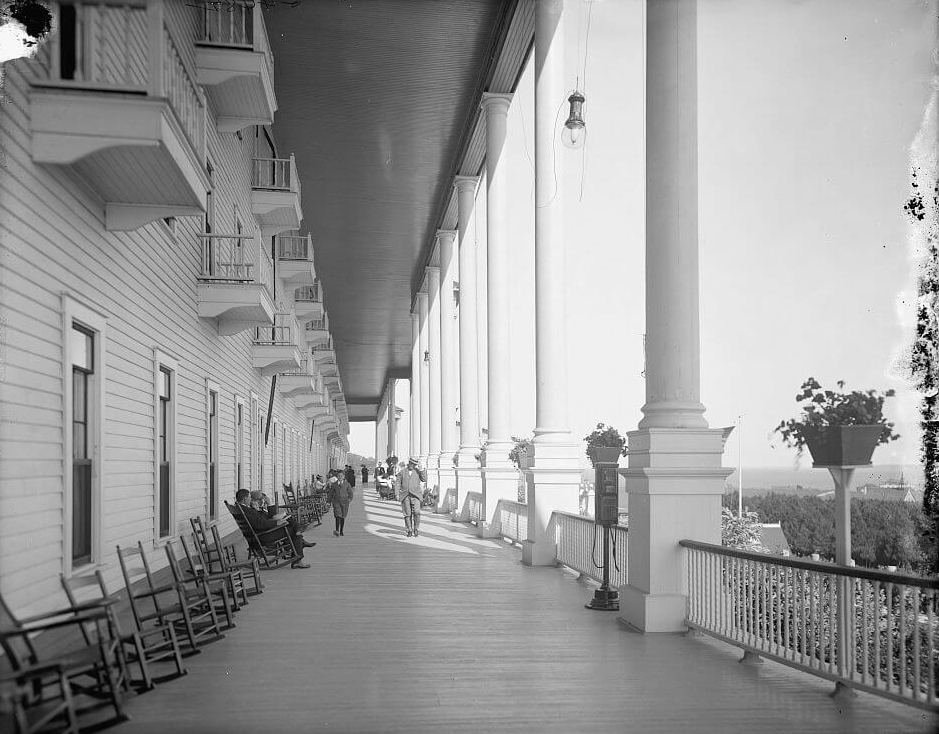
[605,454]
[844,445]
[525,461]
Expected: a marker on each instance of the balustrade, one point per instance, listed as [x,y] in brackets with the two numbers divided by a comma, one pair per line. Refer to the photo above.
[868,629]
[276,174]
[308,293]
[184,95]
[580,547]
[294,247]
[281,333]
[513,520]
[239,258]
[475,506]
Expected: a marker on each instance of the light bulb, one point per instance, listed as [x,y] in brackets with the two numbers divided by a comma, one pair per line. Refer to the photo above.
[574,137]
[574,132]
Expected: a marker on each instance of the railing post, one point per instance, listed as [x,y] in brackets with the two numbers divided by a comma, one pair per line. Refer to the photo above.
[155,84]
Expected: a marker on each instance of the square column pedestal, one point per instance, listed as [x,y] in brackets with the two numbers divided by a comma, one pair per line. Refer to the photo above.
[432,469]
[500,482]
[553,484]
[675,483]
[446,489]
[469,478]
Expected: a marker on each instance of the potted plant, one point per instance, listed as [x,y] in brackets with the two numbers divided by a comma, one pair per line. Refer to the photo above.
[520,455]
[604,444]
[839,428]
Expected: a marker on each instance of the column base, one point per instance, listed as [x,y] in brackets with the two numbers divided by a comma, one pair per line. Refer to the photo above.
[651,612]
[552,485]
[432,468]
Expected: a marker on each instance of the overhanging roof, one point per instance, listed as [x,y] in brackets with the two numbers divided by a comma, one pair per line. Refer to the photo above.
[379,102]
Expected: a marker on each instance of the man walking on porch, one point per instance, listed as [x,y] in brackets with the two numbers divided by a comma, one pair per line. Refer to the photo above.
[410,491]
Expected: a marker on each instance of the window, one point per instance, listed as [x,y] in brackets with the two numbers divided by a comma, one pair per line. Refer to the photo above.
[210,198]
[83,343]
[165,386]
[253,435]
[274,457]
[84,332]
[212,448]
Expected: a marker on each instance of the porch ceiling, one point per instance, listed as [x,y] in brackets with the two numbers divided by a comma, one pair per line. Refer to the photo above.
[377,99]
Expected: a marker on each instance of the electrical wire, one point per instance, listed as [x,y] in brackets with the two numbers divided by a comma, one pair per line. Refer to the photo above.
[593,552]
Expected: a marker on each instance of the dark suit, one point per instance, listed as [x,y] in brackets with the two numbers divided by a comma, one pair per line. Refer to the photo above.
[260,522]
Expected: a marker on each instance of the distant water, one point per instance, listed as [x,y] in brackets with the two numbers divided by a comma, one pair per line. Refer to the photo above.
[774,476]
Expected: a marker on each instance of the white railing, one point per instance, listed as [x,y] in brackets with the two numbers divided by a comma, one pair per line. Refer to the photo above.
[308,293]
[316,325]
[295,247]
[579,544]
[184,95]
[866,629]
[226,23]
[280,334]
[513,520]
[276,174]
[236,258]
[475,502]
[110,46]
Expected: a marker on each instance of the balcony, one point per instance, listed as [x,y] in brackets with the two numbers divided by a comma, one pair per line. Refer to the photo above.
[275,195]
[298,383]
[236,285]
[295,262]
[118,100]
[275,348]
[235,65]
[324,354]
[317,330]
[308,303]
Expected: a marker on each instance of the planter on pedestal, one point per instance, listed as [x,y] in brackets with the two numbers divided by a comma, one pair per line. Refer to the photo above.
[844,445]
[605,454]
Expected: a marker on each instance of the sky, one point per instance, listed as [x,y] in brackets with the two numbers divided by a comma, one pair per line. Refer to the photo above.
[807,110]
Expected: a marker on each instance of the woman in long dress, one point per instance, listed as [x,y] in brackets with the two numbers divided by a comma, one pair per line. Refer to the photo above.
[339,495]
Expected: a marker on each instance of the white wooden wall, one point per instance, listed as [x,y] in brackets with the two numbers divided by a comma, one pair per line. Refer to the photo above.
[53,241]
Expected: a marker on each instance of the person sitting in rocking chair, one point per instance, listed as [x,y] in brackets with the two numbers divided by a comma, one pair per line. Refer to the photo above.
[260,522]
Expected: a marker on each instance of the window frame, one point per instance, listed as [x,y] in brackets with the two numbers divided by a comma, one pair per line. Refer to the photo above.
[163,361]
[75,312]
[212,447]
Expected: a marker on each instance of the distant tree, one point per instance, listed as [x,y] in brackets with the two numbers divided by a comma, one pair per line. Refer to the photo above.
[743,533]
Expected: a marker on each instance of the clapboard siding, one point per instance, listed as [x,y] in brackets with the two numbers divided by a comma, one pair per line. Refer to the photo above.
[53,241]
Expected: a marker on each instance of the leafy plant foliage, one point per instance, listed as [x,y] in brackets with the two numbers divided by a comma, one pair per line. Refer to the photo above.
[605,436]
[822,408]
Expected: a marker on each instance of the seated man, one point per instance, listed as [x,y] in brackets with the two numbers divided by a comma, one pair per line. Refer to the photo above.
[262,503]
[259,522]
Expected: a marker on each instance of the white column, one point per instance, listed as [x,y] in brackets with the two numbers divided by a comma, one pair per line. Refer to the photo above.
[554,481]
[500,479]
[433,341]
[414,419]
[422,306]
[469,477]
[449,351]
[675,479]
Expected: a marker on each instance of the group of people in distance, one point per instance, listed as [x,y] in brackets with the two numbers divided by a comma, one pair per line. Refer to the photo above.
[262,514]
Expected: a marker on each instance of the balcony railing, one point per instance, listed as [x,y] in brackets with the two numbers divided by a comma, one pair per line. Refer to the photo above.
[867,629]
[474,501]
[276,174]
[236,258]
[513,520]
[317,325]
[295,247]
[308,293]
[579,546]
[282,333]
[184,94]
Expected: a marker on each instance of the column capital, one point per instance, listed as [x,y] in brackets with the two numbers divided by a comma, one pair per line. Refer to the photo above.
[415,313]
[496,102]
[431,270]
[446,234]
[465,183]
[421,296]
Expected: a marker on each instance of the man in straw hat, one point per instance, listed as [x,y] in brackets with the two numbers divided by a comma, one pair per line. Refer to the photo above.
[410,491]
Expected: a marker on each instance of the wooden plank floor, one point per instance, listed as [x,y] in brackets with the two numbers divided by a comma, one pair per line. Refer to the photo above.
[450,633]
